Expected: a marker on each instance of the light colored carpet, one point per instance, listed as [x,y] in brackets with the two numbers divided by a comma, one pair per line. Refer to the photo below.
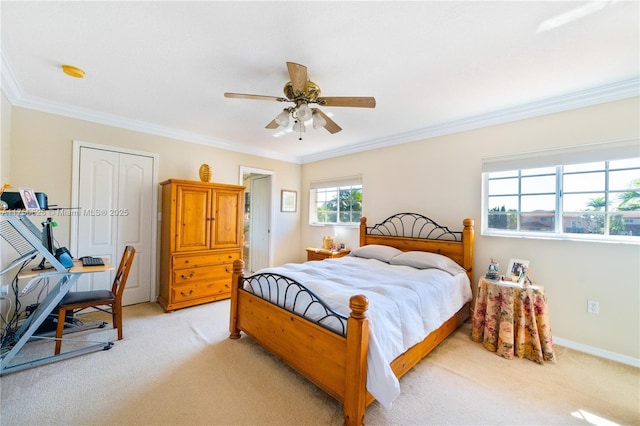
[181,369]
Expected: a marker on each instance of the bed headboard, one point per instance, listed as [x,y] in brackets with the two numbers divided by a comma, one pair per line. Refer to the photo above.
[413,231]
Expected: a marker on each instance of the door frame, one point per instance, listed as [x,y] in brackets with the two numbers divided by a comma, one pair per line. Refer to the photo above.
[244,170]
[75,195]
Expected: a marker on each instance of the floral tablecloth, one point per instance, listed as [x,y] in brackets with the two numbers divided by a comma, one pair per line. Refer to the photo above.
[511,319]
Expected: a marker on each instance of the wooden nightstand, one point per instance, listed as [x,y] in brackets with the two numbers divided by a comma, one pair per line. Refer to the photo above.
[314,253]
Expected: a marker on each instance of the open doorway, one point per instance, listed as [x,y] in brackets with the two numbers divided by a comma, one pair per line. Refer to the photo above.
[257,218]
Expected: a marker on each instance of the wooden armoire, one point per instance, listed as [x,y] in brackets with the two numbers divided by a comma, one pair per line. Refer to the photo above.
[201,236]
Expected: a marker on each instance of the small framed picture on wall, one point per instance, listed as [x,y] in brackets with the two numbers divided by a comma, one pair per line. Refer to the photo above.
[288,200]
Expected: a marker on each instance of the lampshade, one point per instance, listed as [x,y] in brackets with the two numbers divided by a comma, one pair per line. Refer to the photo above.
[304,112]
[283,118]
[318,120]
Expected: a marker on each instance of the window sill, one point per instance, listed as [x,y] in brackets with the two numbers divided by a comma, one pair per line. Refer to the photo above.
[565,237]
[337,225]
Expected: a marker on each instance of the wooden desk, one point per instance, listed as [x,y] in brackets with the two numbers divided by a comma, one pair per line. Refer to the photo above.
[510,319]
[76,269]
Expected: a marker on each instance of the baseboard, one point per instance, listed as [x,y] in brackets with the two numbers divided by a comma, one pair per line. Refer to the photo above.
[634,362]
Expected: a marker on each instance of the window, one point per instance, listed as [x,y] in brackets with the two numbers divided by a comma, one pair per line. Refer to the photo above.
[336,201]
[582,200]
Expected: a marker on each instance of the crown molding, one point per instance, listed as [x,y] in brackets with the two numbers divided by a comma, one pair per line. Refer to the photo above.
[14,93]
[8,82]
[607,93]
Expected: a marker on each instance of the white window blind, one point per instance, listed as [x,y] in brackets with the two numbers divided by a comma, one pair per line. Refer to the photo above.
[612,150]
[332,183]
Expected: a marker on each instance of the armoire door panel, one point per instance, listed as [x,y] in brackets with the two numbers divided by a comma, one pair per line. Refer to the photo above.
[226,220]
[193,217]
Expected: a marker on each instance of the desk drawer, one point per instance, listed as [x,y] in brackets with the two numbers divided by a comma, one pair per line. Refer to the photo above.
[205,259]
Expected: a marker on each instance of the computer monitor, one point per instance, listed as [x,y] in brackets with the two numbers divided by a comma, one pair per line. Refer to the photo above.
[47,241]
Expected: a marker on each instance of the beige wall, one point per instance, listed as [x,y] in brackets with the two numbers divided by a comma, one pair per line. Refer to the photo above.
[41,158]
[441,178]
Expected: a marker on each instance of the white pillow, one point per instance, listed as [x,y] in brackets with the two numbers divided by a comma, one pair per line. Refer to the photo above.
[376,251]
[426,260]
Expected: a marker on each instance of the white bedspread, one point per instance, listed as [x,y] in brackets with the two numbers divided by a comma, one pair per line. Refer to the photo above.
[405,305]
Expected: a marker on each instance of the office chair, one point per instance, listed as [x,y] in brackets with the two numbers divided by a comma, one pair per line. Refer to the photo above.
[79,300]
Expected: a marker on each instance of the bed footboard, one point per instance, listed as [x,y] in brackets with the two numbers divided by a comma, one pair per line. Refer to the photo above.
[332,356]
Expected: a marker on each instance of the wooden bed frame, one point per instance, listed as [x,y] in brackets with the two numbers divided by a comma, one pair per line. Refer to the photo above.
[336,363]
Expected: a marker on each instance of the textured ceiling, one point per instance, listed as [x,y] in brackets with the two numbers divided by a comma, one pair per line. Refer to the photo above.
[433,67]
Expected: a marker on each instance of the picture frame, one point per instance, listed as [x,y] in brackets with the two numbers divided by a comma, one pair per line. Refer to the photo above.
[517,270]
[288,201]
[29,199]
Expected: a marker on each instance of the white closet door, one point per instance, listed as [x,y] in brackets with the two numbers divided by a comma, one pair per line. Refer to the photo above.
[135,219]
[115,195]
[97,232]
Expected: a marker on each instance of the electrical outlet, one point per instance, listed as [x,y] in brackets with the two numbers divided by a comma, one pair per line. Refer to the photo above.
[4,290]
[593,307]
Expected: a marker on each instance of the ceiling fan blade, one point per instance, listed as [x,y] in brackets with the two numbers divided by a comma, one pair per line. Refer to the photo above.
[298,75]
[272,125]
[256,97]
[348,101]
[331,125]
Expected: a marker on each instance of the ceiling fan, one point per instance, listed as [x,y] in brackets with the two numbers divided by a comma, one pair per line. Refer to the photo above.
[302,92]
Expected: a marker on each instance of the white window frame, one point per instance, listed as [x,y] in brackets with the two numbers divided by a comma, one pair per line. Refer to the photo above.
[557,158]
[338,183]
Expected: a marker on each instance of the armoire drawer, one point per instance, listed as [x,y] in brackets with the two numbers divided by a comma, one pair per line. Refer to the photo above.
[199,289]
[205,259]
[217,272]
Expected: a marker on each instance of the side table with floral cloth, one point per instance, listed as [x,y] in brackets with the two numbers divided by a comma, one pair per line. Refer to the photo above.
[512,319]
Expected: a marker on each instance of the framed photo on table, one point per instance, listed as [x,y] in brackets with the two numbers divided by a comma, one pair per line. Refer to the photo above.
[29,199]
[288,200]
[517,268]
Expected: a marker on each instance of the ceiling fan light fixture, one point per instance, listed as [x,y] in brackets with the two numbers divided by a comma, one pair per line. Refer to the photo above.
[303,112]
[318,120]
[301,92]
[283,118]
